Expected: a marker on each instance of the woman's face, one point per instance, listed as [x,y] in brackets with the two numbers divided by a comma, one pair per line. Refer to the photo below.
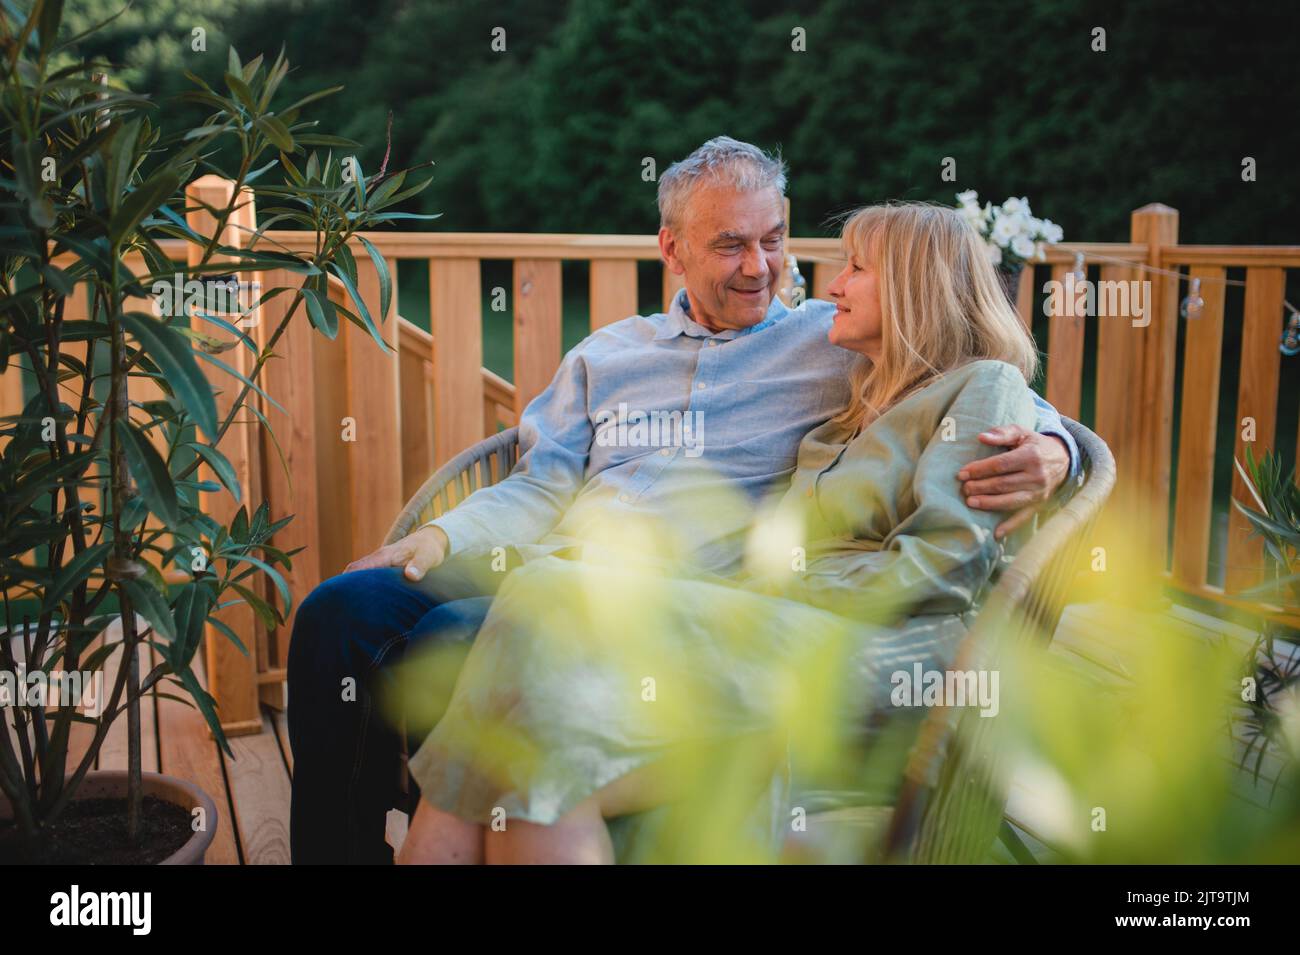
[857,322]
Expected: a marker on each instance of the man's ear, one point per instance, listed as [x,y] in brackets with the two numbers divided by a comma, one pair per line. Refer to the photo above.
[668,250]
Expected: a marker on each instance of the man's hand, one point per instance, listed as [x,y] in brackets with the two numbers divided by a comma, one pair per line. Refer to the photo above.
[416,553]
[1017,480]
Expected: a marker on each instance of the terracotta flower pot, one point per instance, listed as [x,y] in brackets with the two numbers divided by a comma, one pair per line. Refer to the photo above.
[111,784]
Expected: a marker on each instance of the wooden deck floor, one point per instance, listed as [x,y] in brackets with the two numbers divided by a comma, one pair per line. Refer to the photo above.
[252,790]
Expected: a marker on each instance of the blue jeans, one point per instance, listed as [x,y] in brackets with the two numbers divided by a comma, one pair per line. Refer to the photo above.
[348,634]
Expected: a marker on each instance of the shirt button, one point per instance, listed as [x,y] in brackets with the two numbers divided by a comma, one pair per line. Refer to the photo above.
[712,342]
[808,493]
[701,386]
[666,451]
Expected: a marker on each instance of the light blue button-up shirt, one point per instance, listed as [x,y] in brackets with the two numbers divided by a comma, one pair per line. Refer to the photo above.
[658,418]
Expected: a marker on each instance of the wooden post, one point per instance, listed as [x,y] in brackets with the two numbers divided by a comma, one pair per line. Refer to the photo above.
[416,364]
[1118,378]
[374,403]
[823,275]
[290,485]
[456,320]
[1256,421]
[1065,339]
[613,291]
[232,676]
[1156,226]
[1025,303]
[539,317]
[11,387]
[333,480]
[1202,355]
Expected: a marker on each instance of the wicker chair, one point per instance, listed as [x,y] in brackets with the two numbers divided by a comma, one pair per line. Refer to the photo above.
[950,803]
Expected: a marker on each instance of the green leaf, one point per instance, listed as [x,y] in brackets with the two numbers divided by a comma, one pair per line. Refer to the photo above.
[1266,525]
[51,14]
[73,573]
[192,607]
[322,313]
[313,139]
[385,278]
[235,373]
[344,259]
[150,473]
[251,259]
[264,611]
[241,91]
[394,216]
[271,572]
[362,311]
[312,97]
[203,700]
[284,463]
[58,279]
[171,351]
[276,132]
[121,161]
[239,526]
[230,634]
[152,606]
[385,189]
[143,201]
[224,470]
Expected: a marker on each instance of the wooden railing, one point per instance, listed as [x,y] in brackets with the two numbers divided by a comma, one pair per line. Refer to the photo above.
[360,428]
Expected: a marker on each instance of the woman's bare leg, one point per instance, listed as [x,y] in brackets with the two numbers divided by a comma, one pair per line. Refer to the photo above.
[581,837]
[440,838]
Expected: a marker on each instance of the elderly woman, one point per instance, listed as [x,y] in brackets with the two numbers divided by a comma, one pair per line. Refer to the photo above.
[592,680]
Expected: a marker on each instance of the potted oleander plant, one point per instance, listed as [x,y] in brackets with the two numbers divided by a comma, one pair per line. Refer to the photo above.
[1273,724]
[100,519]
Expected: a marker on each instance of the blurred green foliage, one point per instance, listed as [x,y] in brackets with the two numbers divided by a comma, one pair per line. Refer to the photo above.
[550,134]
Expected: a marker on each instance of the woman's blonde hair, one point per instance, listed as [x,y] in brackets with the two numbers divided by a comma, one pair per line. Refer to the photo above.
[941,303]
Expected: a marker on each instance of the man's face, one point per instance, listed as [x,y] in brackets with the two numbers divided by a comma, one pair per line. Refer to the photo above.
[731,251]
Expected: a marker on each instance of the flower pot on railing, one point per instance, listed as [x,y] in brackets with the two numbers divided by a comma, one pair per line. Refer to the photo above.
[97,838]
[1009,276]
[1011,234]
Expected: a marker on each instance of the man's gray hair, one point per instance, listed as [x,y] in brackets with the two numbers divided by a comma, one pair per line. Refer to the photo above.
[721,161]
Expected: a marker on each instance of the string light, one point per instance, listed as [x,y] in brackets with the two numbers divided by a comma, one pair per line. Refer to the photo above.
[1193,303]
[1192,306]
[1291,336]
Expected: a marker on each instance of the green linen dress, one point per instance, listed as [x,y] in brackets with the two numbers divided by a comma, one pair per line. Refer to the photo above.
[586,670]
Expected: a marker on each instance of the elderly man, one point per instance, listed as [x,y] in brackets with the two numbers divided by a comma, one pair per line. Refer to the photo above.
[728,355]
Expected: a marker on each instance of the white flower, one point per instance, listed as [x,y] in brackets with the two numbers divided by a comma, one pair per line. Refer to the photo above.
[1052,232]
[969,198]
[1004,228]
[974,216]
[995,254]
[1013,205]
[1022,246]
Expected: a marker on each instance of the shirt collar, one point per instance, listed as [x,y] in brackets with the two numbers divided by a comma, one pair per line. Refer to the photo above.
[679,321]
